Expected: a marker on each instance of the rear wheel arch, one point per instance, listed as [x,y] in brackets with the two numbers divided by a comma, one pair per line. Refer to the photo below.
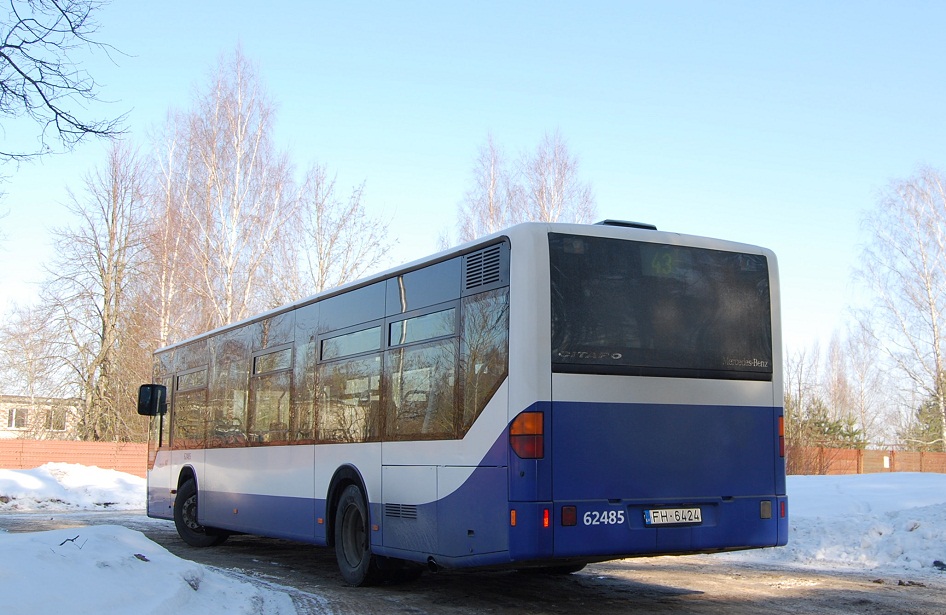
[344,476]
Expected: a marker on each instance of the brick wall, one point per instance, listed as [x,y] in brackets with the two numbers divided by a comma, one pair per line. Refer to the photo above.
[122,456]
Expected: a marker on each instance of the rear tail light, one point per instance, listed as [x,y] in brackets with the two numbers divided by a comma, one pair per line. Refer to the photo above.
[781,436]
[527,435]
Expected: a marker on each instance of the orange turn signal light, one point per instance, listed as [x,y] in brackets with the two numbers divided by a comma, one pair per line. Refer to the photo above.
[526,435]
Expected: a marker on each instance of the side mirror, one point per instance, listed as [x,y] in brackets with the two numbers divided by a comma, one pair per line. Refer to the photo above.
[152,399]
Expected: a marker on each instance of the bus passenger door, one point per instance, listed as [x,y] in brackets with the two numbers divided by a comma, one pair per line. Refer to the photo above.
[160,502]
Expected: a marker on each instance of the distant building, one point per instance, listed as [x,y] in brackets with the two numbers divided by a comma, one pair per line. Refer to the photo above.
[38,418]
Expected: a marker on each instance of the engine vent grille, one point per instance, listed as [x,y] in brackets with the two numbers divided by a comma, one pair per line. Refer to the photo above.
[400,511]
[484,267]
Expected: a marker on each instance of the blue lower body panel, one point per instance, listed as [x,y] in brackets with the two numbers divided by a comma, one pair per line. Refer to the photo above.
[264,515]
[607,462]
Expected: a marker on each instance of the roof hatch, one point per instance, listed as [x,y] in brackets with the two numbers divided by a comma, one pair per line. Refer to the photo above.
[628,224]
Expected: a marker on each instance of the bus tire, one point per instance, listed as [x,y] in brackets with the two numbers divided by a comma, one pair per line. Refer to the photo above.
[353,540]
[185,519]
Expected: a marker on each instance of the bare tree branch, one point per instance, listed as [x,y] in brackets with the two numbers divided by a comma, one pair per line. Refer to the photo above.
[339,241]
[40,79]
[89,292]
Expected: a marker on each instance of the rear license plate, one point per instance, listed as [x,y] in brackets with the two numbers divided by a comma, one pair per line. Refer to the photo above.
[668,516]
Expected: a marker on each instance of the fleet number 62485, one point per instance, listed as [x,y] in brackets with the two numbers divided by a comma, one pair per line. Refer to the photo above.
[603,517]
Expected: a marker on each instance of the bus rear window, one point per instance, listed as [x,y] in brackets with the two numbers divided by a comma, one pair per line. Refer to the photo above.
[649,309]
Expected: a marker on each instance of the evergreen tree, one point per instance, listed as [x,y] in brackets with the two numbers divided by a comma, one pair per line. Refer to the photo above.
[924,433]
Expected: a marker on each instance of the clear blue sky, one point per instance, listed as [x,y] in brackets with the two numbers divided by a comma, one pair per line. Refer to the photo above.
[768,123]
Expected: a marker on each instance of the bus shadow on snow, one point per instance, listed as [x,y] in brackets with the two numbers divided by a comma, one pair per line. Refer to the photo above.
[313,570]
[672,584]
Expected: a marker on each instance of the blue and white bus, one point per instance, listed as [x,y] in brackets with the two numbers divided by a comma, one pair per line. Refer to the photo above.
[549,396]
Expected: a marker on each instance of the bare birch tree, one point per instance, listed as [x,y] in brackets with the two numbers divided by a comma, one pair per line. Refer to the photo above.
[904,267]
[544,185]
[336,240]
[87,296]
[487,206]
[237,200]
[231,235]
[837,385]
[552,190]
[869,392]
[168,240]
[30,365]
[802,391]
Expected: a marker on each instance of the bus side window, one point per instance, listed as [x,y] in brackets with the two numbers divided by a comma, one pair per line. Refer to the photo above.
[228,388]
[305,375]
[349,400]
[268,416]
[485,352]
[421,395]
[304,389]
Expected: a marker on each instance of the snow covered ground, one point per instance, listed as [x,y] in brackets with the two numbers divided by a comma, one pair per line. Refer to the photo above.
[878,523]
[885,523]
[106,568]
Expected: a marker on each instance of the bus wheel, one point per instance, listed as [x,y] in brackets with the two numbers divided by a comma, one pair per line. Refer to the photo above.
[185,519]
[352,540]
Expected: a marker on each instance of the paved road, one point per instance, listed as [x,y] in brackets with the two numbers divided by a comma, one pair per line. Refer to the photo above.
[697,584]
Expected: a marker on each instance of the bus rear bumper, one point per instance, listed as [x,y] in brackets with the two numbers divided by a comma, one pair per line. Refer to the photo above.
[624,528]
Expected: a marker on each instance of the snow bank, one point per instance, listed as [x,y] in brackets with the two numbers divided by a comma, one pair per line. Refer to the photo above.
[111,569]
[106,568]
[68,486]
[878,522]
